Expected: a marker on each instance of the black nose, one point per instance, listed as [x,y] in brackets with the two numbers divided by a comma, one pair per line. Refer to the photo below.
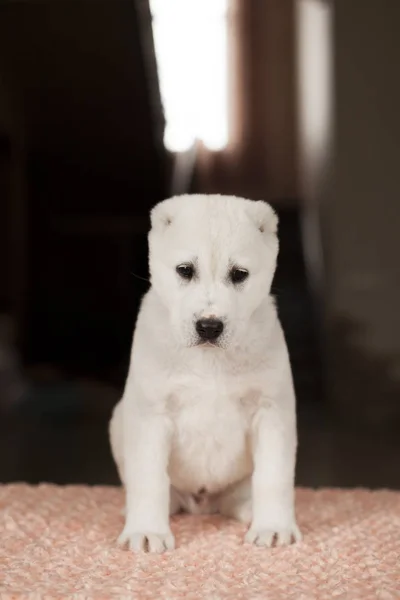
[209,329]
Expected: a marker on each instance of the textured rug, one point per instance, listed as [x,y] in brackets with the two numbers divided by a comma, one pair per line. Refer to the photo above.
[59,542]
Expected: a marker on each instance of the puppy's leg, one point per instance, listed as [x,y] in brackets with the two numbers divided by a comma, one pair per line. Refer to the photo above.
[116,443]
[116,436]
[274,452]
[175,504]
[235,503]
[146,454]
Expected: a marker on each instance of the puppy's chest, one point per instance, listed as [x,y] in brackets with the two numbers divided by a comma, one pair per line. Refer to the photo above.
[210,445]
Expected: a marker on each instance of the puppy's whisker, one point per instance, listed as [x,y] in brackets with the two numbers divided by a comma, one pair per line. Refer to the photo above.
[140,277]
[275,291]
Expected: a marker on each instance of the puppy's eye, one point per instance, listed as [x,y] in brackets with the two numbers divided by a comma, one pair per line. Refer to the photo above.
[238,275]
[185,271]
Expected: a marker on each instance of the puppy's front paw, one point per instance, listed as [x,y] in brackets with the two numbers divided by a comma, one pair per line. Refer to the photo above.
[146,541]
[273,536]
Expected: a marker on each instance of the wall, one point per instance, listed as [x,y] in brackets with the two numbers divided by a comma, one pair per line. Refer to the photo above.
[356,193]
[4,185]
[87,164]
[260,161]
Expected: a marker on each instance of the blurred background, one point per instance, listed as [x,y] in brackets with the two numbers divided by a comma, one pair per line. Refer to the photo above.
[109,106]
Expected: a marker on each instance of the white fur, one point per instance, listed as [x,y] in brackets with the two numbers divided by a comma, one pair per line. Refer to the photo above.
[215,417]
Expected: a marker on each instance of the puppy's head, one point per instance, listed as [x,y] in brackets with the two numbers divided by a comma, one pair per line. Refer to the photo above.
[212,260]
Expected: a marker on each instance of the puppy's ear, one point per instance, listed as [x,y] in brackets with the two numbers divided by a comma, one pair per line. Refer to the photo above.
[162,214]
[263,215]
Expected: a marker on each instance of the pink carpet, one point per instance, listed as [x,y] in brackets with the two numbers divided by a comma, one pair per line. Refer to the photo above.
[60,543]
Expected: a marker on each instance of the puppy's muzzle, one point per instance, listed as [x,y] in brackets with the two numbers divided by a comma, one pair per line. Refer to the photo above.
[209,330]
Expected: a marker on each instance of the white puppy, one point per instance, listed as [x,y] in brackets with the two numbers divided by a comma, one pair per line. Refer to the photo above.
[207,421]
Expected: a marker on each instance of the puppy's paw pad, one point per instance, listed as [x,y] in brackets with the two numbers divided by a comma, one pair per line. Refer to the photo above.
[273,536]
[147,541]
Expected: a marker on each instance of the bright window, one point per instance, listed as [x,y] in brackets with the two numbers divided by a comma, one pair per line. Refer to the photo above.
[190,38]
